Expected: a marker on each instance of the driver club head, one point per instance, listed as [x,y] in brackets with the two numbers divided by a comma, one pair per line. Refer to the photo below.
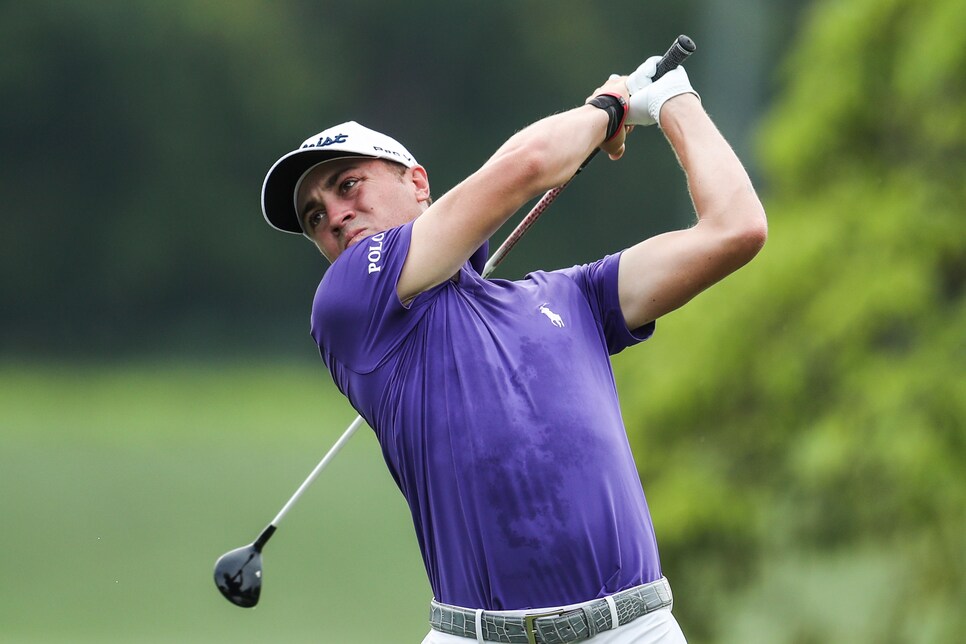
[238,575]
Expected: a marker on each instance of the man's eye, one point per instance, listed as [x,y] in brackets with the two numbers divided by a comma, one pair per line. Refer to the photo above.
[348,184]
[315,219]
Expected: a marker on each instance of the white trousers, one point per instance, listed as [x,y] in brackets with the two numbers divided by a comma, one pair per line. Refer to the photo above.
[658,627]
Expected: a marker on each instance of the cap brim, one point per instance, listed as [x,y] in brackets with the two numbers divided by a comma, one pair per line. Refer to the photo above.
[278,190]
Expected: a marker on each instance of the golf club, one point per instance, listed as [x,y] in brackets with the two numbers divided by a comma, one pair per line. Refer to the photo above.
[238,573]
[680,49]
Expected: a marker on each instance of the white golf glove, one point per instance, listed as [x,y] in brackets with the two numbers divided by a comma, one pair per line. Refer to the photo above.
[647,96]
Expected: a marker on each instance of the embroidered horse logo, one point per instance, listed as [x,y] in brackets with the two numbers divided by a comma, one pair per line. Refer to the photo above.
[553,317]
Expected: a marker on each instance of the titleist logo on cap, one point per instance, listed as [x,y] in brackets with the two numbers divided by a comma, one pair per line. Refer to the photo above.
[329,140]
[338,139]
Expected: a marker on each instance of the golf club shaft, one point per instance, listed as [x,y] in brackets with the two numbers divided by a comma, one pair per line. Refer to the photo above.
[522,228]
[339,444]
[680,49]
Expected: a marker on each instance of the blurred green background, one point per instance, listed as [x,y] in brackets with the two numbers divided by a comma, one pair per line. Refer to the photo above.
[800,429]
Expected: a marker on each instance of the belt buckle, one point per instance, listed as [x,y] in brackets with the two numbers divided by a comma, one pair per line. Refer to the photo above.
[528,621]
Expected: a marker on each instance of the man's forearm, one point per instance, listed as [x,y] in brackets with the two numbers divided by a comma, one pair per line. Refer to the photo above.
[558,143]
[722,192]
[662,273]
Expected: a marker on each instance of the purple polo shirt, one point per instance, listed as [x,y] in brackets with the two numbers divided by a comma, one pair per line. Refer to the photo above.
[496,410]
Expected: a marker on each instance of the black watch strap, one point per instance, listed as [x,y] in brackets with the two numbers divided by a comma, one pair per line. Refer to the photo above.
[616,108]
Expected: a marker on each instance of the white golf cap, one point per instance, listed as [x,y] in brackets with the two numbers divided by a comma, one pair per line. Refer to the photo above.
[348,139]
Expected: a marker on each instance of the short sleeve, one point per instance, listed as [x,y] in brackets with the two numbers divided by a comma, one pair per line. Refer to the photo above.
[598,282]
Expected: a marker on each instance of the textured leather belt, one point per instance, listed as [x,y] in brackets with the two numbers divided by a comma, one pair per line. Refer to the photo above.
[575,624]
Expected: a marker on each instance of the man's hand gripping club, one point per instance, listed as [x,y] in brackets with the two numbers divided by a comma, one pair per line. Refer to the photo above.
[648,96]
[644,98]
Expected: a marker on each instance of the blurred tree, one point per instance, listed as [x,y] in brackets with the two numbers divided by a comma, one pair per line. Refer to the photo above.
[801,428]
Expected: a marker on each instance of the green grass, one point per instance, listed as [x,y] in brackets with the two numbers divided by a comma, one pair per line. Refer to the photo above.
[123,484]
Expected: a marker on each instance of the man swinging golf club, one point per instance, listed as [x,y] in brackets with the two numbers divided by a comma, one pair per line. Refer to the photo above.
[494,401]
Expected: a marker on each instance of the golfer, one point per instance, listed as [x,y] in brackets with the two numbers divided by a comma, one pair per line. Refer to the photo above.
[494,401]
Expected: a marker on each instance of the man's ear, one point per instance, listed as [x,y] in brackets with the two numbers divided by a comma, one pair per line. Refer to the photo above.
[420,183]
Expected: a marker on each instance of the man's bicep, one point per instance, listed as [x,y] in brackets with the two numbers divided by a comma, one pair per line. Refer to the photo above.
[662,273]
[456,225]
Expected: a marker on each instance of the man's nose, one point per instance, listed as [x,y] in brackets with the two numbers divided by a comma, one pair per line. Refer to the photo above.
[340,216]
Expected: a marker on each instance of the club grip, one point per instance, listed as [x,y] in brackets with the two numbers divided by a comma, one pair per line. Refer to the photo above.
[680,49]
[676,54]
